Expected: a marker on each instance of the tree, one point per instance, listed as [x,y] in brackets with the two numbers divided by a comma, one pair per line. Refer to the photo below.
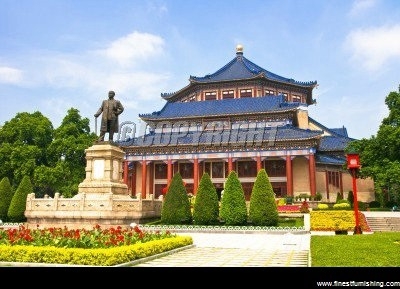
[206,206]
[16,211]
[6,194]
[233,209]
[66,155]
[380,154]
[263,210]
[176,205]
[350,198]
[23,144]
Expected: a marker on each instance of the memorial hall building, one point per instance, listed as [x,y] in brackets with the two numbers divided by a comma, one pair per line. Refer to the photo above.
[240,118]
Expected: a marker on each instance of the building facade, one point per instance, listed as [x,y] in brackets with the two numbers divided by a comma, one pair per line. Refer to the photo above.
[241,118]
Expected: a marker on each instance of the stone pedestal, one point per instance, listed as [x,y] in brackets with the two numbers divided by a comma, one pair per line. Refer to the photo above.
[104,171]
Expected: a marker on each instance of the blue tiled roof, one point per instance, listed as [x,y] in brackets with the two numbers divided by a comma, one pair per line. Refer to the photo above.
[222,107]
[340,131]
[331,160]
[333,143]
[242,68]
[265,135]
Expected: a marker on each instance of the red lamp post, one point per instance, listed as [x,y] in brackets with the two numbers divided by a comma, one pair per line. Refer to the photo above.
[353,164]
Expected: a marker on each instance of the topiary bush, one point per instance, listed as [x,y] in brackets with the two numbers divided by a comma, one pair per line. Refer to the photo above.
[206,205]
[263,210]
[233,209]
[6,194]
[339,197]
[16,211]
[176,205]
[350,198]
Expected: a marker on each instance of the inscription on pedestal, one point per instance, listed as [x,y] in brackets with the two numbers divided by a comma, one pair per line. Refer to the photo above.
[98,169]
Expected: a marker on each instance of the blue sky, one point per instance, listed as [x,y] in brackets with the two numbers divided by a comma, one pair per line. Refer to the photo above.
[58,54]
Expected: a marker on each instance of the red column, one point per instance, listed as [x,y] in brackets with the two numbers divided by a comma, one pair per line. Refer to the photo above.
[327,184]
[126,172]
[195,175]
[144,176]
[151,178]
[230,166]
[311,164]
[341,183]
[289,176]
[169,172]
[259,167]
[133,179]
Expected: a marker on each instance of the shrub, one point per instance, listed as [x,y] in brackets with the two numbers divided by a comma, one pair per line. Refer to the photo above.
[6,194]
[342,206]
[374,204]
[233,209]
[176,205]
[206,205]
[322,207]
[318,196]
[339,197]
[16,211]
[350,198]
[263,210]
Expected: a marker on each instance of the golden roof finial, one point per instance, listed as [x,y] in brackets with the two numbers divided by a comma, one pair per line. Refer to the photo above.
[239,48]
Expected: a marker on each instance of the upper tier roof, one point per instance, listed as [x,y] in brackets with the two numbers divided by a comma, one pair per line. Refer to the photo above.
[222,107]
[242,68]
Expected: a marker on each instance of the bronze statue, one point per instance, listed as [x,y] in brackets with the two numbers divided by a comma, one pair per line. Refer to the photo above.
[111,109]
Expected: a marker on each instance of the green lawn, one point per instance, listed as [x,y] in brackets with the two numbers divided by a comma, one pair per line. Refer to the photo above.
[365,250]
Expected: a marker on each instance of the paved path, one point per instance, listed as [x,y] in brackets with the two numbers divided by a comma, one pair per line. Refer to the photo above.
[239,250]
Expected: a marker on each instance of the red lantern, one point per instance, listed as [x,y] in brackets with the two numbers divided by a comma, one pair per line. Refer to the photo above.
[353,161]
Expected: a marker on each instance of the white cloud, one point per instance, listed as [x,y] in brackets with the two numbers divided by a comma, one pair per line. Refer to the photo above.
[134,47]
[374,47]
[10,75]
[359,6]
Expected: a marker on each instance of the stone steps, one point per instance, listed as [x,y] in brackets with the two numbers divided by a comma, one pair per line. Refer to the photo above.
[384,224]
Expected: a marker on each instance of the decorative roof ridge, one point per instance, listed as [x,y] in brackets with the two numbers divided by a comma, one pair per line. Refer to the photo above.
[219,71]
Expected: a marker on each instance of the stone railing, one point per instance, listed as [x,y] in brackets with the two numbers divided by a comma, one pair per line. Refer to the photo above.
[85,202]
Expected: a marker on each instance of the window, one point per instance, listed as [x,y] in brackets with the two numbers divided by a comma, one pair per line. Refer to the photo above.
[269,92]
[247,169]
[228,94]
[186,170]
[210,95]
[334,178]
[246,93]
[275,168]
[296,98]
[160,171]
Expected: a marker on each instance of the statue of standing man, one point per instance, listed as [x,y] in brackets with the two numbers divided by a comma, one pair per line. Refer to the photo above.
[111,109]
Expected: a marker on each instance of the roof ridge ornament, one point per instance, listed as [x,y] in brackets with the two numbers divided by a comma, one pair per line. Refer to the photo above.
[239,49]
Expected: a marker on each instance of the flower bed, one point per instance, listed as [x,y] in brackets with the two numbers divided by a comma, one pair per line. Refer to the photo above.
[95,247]
[289,209]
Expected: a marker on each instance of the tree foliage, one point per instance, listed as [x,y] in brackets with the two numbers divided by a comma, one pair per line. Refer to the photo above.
[380,154]
[206,206]
[6,194]
[176,205]
[233,209]
[16,211]
[54,159]
[23,144]
[263,210]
